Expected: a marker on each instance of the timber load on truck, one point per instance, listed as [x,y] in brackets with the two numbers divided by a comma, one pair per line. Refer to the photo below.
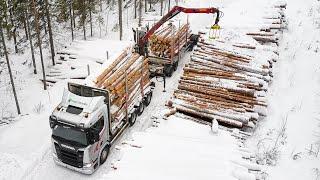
[169,40]
[126,79]
[163,47]
[94,113]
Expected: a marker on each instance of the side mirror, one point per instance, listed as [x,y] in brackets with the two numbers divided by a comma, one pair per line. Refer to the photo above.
[52,121]
[94,137]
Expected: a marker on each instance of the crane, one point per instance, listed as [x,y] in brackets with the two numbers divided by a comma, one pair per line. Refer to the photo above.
[144,36]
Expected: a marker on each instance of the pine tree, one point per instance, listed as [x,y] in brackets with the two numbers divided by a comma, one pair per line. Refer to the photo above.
[30,41]
[71,18]
[9,67]
[37,26]
[50,31]
[13,31]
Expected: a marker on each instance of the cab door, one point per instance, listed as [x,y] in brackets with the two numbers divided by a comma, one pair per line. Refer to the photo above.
[99,126]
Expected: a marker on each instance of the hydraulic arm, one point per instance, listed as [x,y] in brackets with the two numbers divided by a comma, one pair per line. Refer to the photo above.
[172,13]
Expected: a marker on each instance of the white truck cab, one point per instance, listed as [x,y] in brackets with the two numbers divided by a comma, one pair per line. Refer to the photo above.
[82,130]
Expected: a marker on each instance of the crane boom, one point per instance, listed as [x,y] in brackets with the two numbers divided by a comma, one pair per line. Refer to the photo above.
[173,12]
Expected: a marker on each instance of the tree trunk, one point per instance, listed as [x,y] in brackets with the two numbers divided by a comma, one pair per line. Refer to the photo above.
[100,4]
[35,13]
[44,25]
[73,16]
[6,20]
[71,19]
[90,16]
[30,41]
[169,5]
[25,27]
[135,9]
[84,20]
[145,6]
[161,7]
[50,31]
[13,33]
[120,18]
[140,12]
[9,68]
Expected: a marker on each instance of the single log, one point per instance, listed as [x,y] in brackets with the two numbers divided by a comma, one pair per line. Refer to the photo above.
[209,116]
[113,65]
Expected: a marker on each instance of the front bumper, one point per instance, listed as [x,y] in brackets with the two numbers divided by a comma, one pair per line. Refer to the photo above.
[84,170]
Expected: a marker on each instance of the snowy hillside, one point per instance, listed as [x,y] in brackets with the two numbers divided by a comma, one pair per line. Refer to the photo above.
[282,143]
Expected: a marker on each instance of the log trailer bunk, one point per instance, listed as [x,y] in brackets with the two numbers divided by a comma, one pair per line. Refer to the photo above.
[162,65]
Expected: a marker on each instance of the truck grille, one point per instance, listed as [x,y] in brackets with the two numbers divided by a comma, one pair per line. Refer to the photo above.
[73,158]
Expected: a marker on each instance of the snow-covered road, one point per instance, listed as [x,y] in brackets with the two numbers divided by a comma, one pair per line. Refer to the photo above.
[47,169]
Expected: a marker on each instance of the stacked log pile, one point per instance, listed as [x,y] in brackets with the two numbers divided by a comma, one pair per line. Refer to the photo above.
[274,23]
[169,40]
[125,79]
[228,81]
[223,84]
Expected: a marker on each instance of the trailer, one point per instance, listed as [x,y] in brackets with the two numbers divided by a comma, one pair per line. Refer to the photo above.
[166,47]
[92,116]
[167,63]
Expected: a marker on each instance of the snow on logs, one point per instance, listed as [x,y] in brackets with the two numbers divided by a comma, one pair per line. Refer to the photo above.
[223,84]
[228,81]
[274,22]
[169,40]
[126,79]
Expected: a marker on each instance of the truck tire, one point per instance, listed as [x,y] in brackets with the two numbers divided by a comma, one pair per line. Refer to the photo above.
[168,70]
[140,108]
[175,65]
[147,100]
[133,118]
[104,154]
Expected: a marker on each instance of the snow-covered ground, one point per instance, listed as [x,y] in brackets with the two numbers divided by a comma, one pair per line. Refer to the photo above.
[178,148]
[292,126]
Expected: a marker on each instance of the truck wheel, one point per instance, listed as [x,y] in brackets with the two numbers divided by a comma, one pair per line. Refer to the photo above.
[147,100]
[133,118]
[171,72]
[175,66]
[140,108]
[104,154]
[168,70]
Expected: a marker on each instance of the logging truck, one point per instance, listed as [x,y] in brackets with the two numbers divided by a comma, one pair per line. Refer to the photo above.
[91,117]
[183,39]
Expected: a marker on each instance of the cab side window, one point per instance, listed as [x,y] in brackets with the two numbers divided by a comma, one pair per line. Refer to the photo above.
[99,124]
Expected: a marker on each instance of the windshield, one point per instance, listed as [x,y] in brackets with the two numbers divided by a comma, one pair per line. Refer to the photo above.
[86,91]
[70,134]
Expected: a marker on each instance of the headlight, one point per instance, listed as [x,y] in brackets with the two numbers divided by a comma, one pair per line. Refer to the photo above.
[87,165]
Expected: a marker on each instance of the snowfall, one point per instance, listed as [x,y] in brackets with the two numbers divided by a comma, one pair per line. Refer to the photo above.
[175,147]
